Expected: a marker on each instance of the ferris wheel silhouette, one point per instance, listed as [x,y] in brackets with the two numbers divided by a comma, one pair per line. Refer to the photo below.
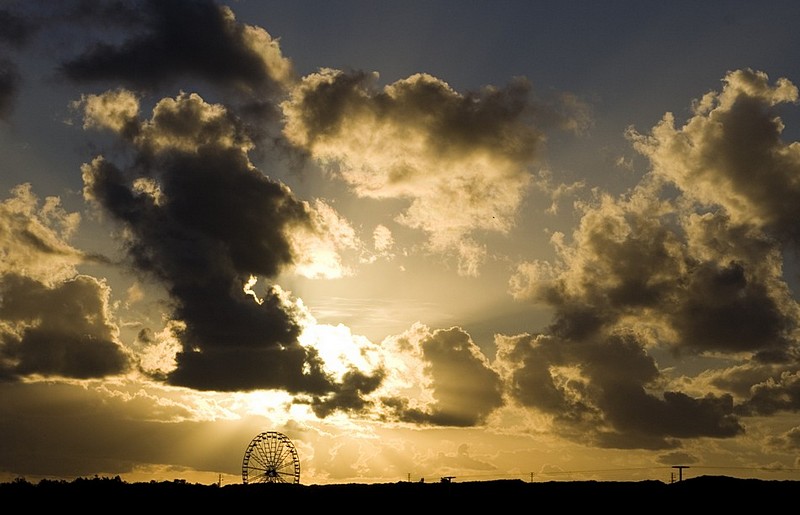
[270,458]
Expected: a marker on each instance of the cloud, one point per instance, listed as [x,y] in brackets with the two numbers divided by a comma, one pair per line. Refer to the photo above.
[641,271]
[699,281]
[318,252]
[792,438]
[116,111]
[180,39]
[597,391]
[384,241]
[55,323]
[59,331]
[460,160]
[34,237]
[730,153]
[689,261]
[202,220]
[426,372]
[776,394]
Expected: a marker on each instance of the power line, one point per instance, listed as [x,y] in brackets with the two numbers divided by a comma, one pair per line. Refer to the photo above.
[531,475]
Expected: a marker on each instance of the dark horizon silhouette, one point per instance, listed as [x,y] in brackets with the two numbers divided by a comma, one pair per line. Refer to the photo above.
[716,491]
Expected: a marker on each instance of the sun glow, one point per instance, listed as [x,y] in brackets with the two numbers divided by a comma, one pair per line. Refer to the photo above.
[340,349]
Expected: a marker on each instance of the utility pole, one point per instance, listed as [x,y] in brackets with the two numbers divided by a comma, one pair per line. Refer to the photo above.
[680,470]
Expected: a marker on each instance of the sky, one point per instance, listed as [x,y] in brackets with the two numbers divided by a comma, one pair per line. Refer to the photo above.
[485,240]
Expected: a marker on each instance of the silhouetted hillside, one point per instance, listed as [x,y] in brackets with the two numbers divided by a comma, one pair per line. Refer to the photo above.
[102,493]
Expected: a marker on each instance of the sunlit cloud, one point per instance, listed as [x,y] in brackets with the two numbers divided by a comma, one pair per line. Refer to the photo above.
[319,248]
[462,161]
[730,152]
[35,237]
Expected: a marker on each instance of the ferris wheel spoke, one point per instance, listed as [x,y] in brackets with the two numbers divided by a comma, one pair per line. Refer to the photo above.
[258,459]
[279,463]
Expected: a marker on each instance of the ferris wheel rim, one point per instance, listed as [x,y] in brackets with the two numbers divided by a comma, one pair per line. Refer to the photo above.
[270,457]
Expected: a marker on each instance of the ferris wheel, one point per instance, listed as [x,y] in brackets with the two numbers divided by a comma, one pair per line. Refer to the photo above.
[270,458]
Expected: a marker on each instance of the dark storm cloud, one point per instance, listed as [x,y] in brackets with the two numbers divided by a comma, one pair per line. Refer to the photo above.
[706,284]
[349,394]
[205,223]
[777,394]
[697,273]
[726,310]
[762,388]
[464,387]
[179,39]
[53,322]
[639,275]
[596,390]
[451,356]
[730,157]
[60,331]
[201,219]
